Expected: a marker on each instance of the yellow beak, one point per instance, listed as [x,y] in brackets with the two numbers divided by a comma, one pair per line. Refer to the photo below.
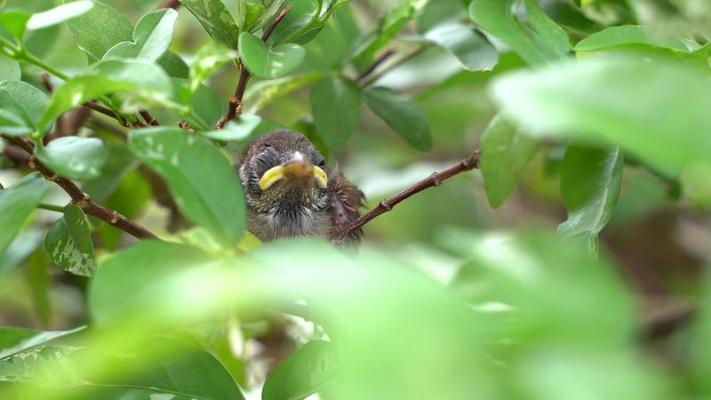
[296,170]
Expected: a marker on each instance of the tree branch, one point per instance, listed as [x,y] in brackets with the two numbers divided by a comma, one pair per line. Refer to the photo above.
[80,198]
[389,203]
[236,101]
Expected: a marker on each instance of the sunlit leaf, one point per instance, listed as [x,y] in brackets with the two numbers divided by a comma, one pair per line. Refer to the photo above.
[151,38]
[240,129]
[617,100]
[59,14]
[123,281]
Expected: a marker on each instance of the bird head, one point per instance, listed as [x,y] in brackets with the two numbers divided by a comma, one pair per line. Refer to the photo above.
[284,171]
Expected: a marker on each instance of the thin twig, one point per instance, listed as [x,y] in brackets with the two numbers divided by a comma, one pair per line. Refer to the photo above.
[389,203]
[378,62]
[236,101]
[150,120]
[76,119]
[80,198]
[374,77]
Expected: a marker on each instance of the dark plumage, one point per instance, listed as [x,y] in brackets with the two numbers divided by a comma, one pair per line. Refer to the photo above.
[291,192]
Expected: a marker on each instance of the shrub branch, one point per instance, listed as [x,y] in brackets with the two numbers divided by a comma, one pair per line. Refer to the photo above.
[78,197]
[436,179]
[236,101]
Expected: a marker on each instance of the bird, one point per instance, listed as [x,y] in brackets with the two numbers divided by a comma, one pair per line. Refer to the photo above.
[291,192]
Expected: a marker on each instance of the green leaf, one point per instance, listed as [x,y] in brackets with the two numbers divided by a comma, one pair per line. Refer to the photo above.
[59,14]
[69,243]
[263,93]
[100,29]
[297,23]
[21,247]
[118,164]
[207,61]
[39,280]
[335,105]
[402,114]
[15,22]
[301,374]
[206,108]
[613,36]
[470,47]
[696,185]
[505,152]
[590,181]
[633,40]
[16,340]
[181,371]
[9,69]
[145,80]
[200,178]
[249,14]
[174,65]
[611,100]
[16,203]
[151,38]
[539,43]
[389,26]
[240,129]
[266,61]
[74,157]
[216,19]
[21,105]
[122,282]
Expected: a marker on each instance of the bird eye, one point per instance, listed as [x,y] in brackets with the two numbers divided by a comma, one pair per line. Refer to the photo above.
[321,163]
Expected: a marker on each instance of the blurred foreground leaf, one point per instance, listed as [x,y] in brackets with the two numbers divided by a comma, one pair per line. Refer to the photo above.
[302,374]
[618,101]
[16,204]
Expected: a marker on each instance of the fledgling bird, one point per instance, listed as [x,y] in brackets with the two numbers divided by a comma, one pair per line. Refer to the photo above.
[291,192]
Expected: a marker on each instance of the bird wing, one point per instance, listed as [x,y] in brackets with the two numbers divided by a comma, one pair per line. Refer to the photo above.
[346,200]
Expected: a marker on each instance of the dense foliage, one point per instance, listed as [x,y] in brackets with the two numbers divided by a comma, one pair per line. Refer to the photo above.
[127,272]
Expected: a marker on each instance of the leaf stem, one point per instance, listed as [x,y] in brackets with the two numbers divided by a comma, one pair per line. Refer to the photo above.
[50,207]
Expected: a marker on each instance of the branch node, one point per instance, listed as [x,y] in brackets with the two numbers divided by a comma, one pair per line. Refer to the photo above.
[386,205]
